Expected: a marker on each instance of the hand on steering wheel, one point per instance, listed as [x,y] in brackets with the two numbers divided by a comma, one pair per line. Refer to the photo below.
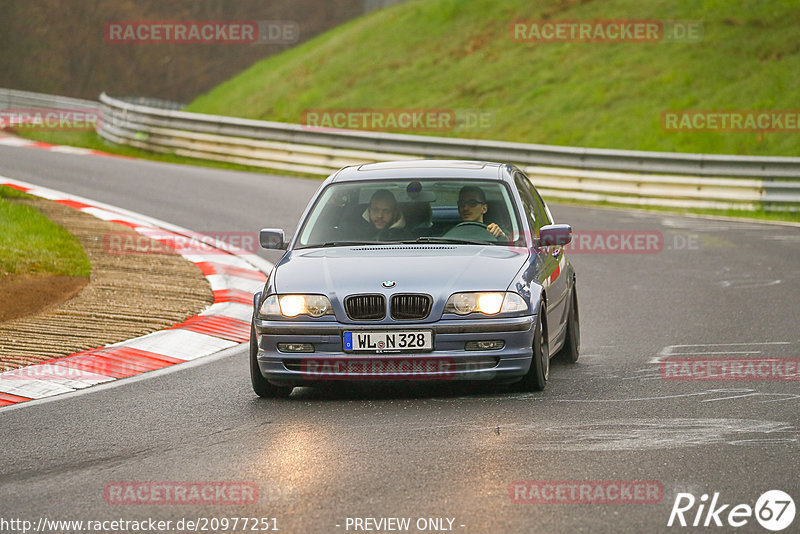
[495,230]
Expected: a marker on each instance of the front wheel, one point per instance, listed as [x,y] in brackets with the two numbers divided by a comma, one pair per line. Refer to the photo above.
[261,386]
[572,344]
[536,377]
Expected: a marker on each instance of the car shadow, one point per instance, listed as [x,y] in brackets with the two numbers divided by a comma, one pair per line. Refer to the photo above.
[389,390]
[394,389]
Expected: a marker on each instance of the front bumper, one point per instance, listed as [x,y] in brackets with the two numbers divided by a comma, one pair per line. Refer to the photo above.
[448,361]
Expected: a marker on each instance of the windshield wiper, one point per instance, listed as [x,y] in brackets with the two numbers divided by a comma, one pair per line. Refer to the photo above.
[339,244]
[450,240]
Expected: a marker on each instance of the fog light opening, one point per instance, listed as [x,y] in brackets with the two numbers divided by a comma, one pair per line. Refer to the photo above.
[295,347]
[495,344]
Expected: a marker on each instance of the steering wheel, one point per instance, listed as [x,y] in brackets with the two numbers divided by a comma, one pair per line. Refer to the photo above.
[470,230]
[470,223]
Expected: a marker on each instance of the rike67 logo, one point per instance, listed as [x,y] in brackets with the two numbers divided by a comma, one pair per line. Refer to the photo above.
[774,510]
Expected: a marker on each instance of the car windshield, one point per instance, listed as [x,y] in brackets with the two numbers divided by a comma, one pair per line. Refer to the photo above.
[424,210]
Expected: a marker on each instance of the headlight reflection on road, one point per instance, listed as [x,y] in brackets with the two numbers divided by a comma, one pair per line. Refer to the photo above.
[295,461]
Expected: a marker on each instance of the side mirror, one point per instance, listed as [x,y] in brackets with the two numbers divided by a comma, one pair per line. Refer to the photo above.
[555,235]
[272,238]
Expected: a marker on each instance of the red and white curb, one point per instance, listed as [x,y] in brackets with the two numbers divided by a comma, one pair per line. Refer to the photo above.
[234,276]
[20,142]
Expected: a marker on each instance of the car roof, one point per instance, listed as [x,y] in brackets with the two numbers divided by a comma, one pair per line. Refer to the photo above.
[432,168]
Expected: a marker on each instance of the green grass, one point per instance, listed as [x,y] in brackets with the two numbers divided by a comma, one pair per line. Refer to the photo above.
[458,54]
[30,243]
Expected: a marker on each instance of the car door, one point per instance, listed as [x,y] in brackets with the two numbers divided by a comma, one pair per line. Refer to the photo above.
[553,261]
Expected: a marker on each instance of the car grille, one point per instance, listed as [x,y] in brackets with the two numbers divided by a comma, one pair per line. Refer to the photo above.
[365,307]
[407,307]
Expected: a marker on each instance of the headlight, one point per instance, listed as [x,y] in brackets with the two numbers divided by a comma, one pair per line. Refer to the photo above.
[489,303]
[294,305]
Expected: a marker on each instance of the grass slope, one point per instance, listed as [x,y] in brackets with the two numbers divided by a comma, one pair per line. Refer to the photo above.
[458,54]
[30,243]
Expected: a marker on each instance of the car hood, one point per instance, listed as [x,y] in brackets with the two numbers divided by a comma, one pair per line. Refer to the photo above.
[438,270]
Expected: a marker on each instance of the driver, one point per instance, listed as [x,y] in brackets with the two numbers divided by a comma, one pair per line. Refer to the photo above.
[472,206]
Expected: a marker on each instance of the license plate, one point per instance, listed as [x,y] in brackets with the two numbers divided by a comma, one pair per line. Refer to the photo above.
[388,341]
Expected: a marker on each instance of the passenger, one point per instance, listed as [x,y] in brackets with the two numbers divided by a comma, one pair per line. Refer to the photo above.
[382,220]
[472,207]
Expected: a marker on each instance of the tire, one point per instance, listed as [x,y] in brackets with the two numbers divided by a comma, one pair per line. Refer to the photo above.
[261,386]
[536,377]
[572,344]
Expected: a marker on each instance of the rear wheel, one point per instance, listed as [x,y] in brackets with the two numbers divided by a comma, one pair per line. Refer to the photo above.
[537,375]
[260,384]
[572,343]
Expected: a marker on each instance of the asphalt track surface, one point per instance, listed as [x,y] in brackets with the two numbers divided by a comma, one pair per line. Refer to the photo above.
[724,289]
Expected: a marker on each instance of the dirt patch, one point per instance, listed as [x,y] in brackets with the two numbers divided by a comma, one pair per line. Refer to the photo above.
[128,295]
[27,293]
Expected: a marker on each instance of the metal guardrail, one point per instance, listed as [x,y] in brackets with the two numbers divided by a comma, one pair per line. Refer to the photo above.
[13,99]
[159,103]
[622,176]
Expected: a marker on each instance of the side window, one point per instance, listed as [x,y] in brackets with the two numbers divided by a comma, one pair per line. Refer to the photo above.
[541,208]
[528,202]
[542,214]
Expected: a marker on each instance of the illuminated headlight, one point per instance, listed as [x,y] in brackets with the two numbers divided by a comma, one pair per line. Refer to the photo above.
[294,305]
[489,303]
